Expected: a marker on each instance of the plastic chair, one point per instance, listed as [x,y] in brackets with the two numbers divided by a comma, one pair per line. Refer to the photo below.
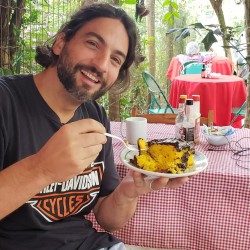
[192,68]
[240,111]
[243,71]
[181,68]
[157,95]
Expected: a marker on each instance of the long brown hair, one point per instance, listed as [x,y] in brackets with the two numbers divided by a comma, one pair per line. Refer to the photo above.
[46,57]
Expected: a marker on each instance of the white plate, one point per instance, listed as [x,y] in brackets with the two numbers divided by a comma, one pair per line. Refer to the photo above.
[200,160]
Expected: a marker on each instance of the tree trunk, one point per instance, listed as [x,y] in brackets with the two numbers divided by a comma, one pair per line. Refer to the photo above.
[5,12]
[247,24]
[151,36]
[11,15]
[217,6]
[170,47]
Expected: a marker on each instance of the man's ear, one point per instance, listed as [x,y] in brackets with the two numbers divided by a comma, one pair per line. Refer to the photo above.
[59,44]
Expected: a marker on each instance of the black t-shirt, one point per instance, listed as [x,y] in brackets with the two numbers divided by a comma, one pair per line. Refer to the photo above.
[55,217]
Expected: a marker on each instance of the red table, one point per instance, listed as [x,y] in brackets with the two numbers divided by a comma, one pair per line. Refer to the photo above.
[210,212]
[173,69]
[220,95]
[221,65]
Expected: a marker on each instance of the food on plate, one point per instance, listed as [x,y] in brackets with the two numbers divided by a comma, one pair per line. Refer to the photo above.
[165,155]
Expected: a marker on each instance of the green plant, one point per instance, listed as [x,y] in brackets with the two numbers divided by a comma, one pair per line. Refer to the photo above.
[137,93]
[210,32]
[5,72]
[230,34]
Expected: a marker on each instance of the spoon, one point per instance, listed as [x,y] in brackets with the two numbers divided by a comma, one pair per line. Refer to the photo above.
[125,143]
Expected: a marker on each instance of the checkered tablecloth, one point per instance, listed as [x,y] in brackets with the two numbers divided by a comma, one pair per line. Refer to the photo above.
[210,212]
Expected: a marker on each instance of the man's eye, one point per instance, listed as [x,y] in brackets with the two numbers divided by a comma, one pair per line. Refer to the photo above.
[117,60]
[92,43]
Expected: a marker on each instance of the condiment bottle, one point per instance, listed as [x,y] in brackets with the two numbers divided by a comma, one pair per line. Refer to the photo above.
[189,123]
[203,71]
[208,69]
[180,118]
[197,115]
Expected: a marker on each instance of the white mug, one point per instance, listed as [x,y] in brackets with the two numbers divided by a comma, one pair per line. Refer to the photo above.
[136,127]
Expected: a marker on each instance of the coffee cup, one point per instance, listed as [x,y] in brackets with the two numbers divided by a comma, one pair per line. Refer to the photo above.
[136,127]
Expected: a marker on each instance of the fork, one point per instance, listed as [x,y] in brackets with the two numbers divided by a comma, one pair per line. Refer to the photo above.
[125,143]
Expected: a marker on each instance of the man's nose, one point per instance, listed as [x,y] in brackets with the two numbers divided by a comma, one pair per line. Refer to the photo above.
[101,61]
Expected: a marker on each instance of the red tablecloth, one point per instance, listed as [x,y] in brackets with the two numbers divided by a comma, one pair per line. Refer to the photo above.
[173,69]
[221,65]
[210,212]
[220,95]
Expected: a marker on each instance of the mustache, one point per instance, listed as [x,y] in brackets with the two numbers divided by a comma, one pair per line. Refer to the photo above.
[89,68]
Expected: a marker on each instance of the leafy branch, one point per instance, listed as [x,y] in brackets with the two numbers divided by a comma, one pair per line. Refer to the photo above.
[211,31]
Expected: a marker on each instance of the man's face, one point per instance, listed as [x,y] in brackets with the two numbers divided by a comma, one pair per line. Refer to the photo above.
[89,63]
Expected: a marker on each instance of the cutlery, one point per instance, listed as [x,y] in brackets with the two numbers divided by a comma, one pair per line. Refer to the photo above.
[125,143]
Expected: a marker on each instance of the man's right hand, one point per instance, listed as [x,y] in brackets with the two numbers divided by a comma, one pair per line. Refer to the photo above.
[69,151]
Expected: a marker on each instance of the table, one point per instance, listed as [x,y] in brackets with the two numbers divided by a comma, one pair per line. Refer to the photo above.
[210,212]
[220,64]
[220,95]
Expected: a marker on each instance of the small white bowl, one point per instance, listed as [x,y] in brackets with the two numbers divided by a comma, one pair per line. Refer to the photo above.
[222,137]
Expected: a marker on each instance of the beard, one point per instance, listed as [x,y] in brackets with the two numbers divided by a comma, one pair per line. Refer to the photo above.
[67,75]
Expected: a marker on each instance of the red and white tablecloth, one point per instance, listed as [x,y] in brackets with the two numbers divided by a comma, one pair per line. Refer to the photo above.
[210,212]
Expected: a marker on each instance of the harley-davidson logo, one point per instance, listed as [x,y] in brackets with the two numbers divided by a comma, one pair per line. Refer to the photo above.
[60,200]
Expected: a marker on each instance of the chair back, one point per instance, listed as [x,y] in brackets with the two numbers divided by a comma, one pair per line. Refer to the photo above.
[159,102]
[170,118]
[239,111]
[243,71]
[192,68]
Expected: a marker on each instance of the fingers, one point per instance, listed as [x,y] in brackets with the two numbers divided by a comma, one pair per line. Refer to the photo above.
[71,149]
[169,183]
[139,179]
[158,183]
[87,126]
[84,133]
[90,152]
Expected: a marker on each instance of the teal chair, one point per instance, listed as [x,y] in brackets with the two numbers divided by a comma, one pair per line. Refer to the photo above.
[159,103]
[192,68]
[240,111]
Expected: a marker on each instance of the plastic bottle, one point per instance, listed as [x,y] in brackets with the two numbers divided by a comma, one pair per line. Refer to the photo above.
[184,97]
[180,118]
[208,69]
[189,122]
[203,71]
[197,115]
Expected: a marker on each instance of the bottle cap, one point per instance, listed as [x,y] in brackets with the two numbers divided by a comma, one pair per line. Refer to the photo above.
[183,96]
[189,101]
[196,98]
[182,100]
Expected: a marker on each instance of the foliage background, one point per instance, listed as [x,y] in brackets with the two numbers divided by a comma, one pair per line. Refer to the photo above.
[42,19]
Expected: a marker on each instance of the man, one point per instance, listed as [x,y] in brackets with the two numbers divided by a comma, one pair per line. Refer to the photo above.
[57,165]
